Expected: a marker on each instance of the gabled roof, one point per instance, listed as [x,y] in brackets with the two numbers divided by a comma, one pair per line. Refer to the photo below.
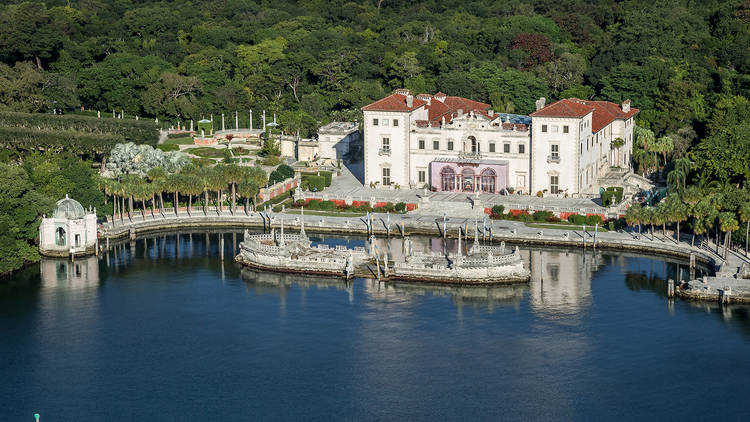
[394,102]
[604,112]
[564,108]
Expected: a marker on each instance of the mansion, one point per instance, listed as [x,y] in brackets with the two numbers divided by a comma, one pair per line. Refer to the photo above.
[455,144]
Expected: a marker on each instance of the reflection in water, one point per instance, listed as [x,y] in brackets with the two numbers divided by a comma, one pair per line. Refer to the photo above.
[77,274]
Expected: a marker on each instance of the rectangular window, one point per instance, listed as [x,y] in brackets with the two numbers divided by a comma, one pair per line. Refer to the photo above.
[386,144]
[395,122]
[521,149]
[566,129]
[385,122]
[450,145]
[492,147]
[436,145]
[544,128]
[554,187]
[554,129]
[555,150]
[374,122]
[506,148]
[386,176]
[421,174]
[421,144]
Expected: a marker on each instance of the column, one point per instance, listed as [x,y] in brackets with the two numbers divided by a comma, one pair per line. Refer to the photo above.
[222,122]
[251,119]
[236,120]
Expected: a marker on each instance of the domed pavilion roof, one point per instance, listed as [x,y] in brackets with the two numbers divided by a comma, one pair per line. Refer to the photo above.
[69,208]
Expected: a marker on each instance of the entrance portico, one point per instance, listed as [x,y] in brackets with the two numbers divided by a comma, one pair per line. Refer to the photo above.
[468,175]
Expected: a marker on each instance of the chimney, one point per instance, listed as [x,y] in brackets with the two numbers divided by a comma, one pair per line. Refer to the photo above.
[410,101]
[460,112]
[626,106]
[491,112]
[540,103]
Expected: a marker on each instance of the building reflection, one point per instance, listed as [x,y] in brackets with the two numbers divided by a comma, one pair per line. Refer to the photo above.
[560,279]
[81,273]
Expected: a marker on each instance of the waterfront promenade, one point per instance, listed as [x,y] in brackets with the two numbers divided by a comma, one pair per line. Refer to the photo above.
[420,223]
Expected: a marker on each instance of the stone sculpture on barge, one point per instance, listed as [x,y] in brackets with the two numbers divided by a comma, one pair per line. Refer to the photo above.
[482,265]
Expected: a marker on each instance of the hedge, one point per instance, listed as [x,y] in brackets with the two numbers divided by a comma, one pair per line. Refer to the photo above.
[281,173]
[20,138]
[314,183]
[136,131]
[168,147]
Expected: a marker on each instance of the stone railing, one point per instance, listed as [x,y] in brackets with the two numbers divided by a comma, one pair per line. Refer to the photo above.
[268,193]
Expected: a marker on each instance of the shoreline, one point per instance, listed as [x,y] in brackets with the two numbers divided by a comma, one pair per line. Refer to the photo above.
[648,247]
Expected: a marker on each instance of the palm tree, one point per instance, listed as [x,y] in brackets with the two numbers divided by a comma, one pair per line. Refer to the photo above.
[157,176]
[172,184]
[142,191]
[204,174]
[191,185]
[130,186]
[661,216]
[234,175]
[647,217]
[633,216]
[691,196]
[679,212]
[247,189]
[217,182]
[728,223]
[744,214]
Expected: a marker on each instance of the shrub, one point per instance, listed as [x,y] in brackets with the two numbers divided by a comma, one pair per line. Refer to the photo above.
[327,206]
[328,176]
[315,183]
[299,203]
[314,204]
[607,197]
[541,216]
[553,219]
[271,160]
[593,219]
[577,219]
[282,172]
[498,209]
[400,207]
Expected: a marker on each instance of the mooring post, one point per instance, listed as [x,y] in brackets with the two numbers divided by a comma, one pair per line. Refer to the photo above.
[221,246]
[584,236]
[388,224]
[403,229]
[670,288]
[445,221]
[596,229]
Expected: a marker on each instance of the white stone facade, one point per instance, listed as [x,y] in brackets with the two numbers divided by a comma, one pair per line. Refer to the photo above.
[562,148]
[70,231]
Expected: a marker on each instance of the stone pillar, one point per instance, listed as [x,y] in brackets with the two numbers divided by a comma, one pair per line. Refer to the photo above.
[236,120]
[191,125]
[222,122]
[264,120]
[98,114]
[251,119]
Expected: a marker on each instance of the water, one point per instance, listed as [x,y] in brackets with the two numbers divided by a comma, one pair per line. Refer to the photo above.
[173,334]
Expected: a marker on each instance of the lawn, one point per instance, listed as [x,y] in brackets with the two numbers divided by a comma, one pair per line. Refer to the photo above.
[563,227]
[186,140]
[206,152]
[202,162]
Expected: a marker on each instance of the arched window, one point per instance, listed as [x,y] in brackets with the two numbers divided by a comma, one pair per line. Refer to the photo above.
[489,180]
[447,178]
[60,236]
[474,144]
[467,182]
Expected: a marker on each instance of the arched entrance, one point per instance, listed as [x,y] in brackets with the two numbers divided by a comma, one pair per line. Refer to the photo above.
[60,236]
[489,180]
[467,182]
[447,179]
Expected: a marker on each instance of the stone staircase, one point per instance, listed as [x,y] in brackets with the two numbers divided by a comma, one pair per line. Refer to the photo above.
[452,209]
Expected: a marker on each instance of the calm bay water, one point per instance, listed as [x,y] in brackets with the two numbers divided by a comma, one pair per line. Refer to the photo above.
[169,332]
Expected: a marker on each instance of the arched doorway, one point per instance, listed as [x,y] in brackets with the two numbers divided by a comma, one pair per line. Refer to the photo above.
[489,180]
[60,236]
[447,178]
[467,182]
[474,145]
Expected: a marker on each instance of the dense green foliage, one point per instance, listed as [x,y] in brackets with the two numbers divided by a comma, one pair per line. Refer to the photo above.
[30,190]
[280,174]
[314,60]
[136,131]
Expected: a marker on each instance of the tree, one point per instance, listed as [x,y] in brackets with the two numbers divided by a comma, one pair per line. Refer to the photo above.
[634,215]
[234,174]
[728,224]
[173,95]
[744,214]
[26,32]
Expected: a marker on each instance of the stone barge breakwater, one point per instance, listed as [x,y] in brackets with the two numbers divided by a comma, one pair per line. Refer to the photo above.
[293,253]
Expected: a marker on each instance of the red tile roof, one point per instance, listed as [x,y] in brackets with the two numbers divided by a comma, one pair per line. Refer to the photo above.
[394,102]
[564,108]
[605,112]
